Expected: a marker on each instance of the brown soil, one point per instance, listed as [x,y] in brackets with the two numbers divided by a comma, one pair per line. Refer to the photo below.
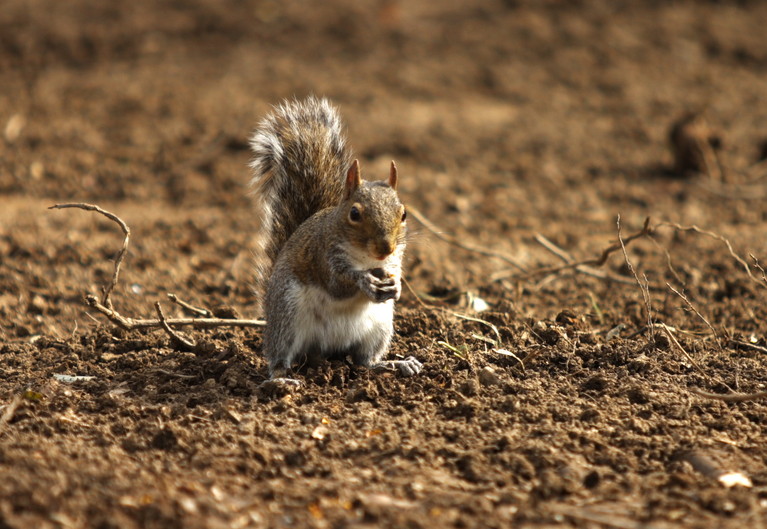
[508,120]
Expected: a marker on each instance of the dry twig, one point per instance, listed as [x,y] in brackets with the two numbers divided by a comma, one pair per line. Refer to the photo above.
[692,308]
[107,291]
[205,313]
[759,267]
[10,411]
[580,267]
[454,241]
[644,289]
[606,519]
[105,305]
[585,266]
[713,235]
[681,349]
[174,336]
[730,397]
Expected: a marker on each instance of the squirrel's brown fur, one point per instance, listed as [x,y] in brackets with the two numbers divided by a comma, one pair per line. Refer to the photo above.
[300,159]
[330,244]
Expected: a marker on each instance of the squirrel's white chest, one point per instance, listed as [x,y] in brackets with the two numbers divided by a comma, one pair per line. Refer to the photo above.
[331,324]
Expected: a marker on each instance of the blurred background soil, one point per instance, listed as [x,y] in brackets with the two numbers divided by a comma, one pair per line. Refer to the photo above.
[513,123]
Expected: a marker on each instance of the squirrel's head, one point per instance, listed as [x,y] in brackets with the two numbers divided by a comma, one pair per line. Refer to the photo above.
[375,217]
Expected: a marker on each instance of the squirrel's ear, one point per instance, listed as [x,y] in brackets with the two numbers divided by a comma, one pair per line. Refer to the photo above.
[393,176]
[353,179]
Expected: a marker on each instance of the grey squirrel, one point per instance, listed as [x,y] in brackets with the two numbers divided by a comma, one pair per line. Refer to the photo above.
[329,246]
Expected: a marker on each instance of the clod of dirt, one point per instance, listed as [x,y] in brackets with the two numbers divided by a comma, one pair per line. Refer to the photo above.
[693,143]
[226,312]
[488,377]
[165,439]
[469,388]
[592,480]
[358,394]
[596,383]
[762,151]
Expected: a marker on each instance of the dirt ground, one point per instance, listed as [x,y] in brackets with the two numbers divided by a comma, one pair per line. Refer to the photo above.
[517,126]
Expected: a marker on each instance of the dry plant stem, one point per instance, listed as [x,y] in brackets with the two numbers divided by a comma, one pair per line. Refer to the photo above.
[746,345]
[105,305]
[607,520]
[477,320]
[105,300]
[644,289]
[681,349]
[735,192]
[174,336]
[669,263]
[672,329]
[174,375]
[714,166]
[455,242]
[713,235]
[584,267]
[730,397]
[10,411]
[553,248]
[692,308]
[130,324]
[581,266]
[759,267]
[205,313]
[416,296]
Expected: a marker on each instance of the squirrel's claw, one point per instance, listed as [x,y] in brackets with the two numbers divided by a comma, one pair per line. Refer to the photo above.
[408,367]
[280,386]
[380,290]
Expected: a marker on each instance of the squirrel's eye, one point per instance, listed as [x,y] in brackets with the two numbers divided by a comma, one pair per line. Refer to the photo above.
[404,215]
[355,215]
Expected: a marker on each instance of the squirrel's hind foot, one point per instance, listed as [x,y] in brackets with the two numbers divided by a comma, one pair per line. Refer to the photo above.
[408,367]
[279,386]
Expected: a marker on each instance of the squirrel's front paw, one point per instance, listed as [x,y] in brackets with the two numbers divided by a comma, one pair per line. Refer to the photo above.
[379,286]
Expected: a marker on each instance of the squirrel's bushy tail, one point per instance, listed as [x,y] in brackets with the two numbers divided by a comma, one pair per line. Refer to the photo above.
[299,165]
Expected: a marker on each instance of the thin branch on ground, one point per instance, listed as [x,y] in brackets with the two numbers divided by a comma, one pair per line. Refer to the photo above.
[605,519]
[107,290]
[697,313]
[130,324]
[106,308]
[713,235]
[478,320]
[173,375]
[678,346]
[759,267]
[205,313]
[440,234]
[669,262]
[746,345]
[174,336]
[415,295]
[673,329]
[10,411]
[553,248]
[735,191]
[730,397]
[585,266]
[644,289]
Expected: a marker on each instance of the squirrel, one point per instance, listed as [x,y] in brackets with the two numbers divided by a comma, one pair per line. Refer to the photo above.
[329,246]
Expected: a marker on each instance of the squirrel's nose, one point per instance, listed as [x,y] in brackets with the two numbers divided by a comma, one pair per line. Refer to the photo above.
[384,249]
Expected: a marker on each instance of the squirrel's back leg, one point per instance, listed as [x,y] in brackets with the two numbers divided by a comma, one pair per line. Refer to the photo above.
[370,353]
